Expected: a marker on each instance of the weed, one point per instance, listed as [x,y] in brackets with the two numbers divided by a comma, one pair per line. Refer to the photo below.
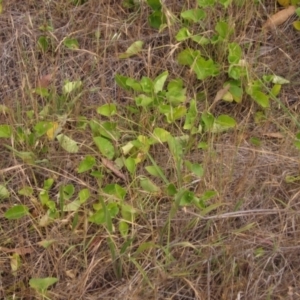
[149,150]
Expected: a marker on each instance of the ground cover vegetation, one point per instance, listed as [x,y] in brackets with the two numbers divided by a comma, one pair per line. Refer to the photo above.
[149,149]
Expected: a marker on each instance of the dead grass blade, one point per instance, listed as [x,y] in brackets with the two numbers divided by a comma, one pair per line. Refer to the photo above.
[20,251]
[45,80]
[276,135]
[279,18]
[220,94]
[108,164]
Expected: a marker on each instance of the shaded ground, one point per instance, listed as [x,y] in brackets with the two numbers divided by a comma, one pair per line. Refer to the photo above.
[248,248]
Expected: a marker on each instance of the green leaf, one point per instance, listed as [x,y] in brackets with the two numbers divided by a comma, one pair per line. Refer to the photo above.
[236,72]
[275,90]
[44,197]
[143,100]
[188,56]
[159,81]
[67,143]
[4,109]
[46,27]
[115,190]
[133,49]
[48,184]
[145,246]
[41,91]
[27,157]
[5,131]
[86,164]
[130,165]
[129,3]
[261,98]
[225,3]
[71,43]
[113,209]
[291,179]
[84,195]
[176,95]
[175,113]
[71,86]
[208,119]
[208,195]
[226,121]
[128,212]
[197,169]
[202,145]
[42,284]
[147,85]
[186,197]
[123,228]
[73,206]
[194,15]
[4,192]
[156,19]
[107,110]
[235,53]
[161,134]
[222,28]
[255,141]
[297,141]
[201,40]
[298,9]
[16,212]
[134,84]
[222,123]
[154,4]
[205,68]
[182,34]
[105,147]
[121,81]
[98,217]
[43,43]
[46,243]
[235,90]
[154,171]
[42,127]
[175,147]
[25,191]
[148,186]
[109,130]
[191,115]
[68,191]
[176,83]
[206,3]
[171,189]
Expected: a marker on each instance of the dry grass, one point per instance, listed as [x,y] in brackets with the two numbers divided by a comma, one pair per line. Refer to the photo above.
[246,248]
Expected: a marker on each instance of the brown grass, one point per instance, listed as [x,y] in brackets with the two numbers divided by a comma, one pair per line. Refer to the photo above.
[247,248]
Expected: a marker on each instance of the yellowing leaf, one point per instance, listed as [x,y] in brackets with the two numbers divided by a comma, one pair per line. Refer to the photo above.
[228,97]
[296,25]
[221,93]
[284,3]
[52,131]
[15,262]
[133,49]
[67,143]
